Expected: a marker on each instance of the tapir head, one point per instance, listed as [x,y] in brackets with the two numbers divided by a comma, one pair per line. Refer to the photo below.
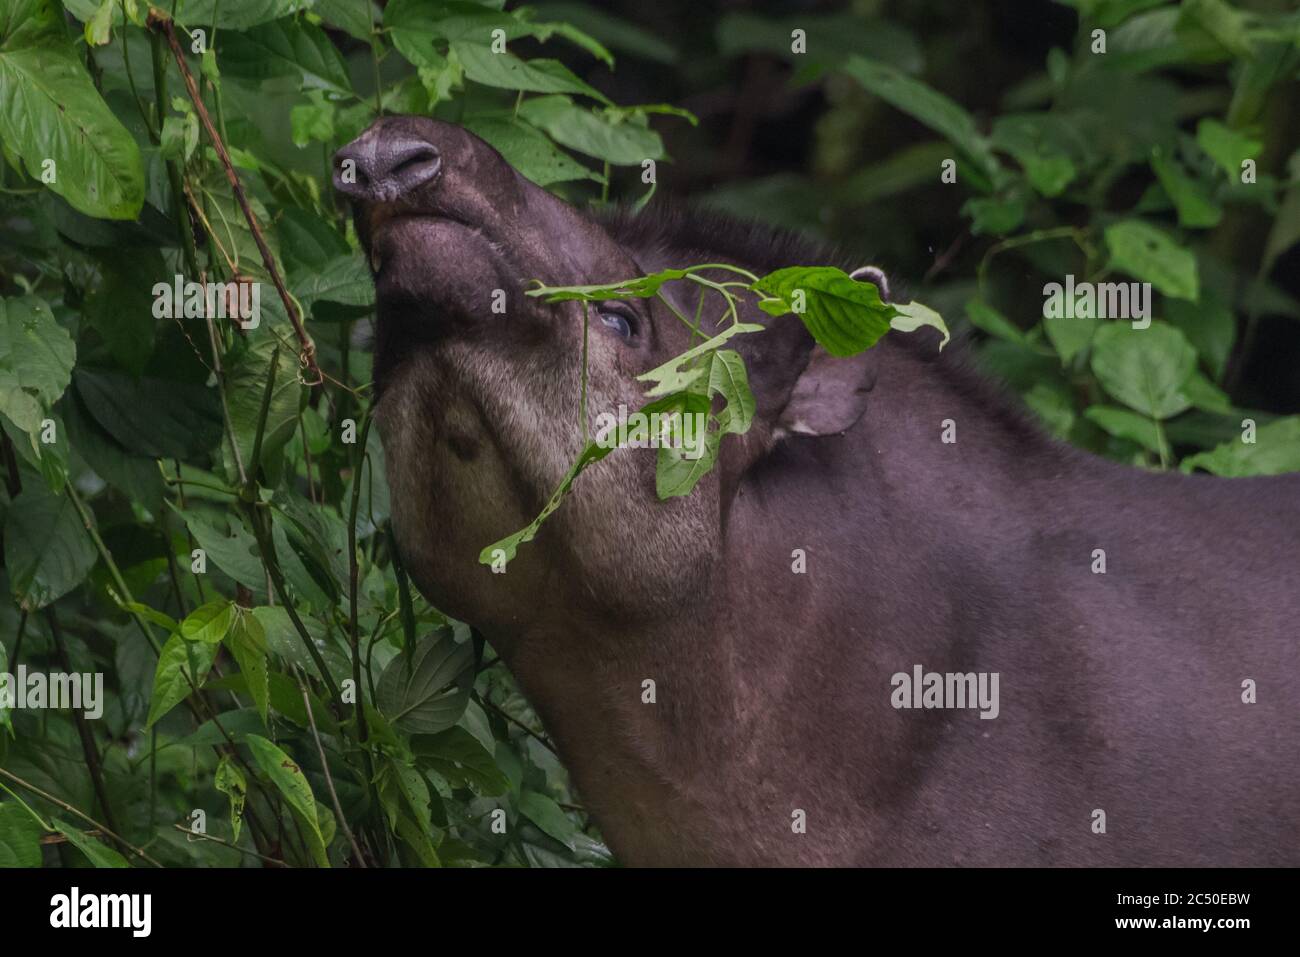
[479,383]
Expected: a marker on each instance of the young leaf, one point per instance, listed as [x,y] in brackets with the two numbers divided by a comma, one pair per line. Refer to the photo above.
[180,664]
[247,643]
[209,623]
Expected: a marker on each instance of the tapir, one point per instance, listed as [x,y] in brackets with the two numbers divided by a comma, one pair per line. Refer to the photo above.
[897,624]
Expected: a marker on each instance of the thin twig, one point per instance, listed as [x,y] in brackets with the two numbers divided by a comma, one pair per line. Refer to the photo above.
[160,21]
[234,847]
[329,780]
[72,810]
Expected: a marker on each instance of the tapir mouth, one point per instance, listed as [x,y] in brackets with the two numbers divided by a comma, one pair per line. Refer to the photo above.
[382,225]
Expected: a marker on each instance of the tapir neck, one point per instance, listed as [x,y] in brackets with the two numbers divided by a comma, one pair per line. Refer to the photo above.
[701,740]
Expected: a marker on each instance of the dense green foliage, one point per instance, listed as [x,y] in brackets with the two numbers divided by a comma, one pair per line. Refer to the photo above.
[199,511]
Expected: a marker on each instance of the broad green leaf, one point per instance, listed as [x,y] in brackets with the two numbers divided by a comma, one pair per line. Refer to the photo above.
[100,855]
[426,693]
[292,783]
[47,549]
[613,32]
[1219,20]
[149,416]
[1124,424]
[209,623]
[844,315]
[181,664]
[995,215]
[121,307]
[341,289]
[460,758]
[507,71]
[286,47]
[230,780]
[236,14]
[1145,369]
[357,18]
[547,815]
[1149,254]
[625,143]
[728,378]
[927,105]
[53,117]
[1275,451]
[20,836]
[528,150]
[36,360]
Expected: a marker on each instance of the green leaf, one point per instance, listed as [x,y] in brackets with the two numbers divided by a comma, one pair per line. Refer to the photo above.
[1227,147]
[672,377]
[339,290]
[292,783]
[1149,254]
[247,643]
[845,316]
[548,816]
[926,105]
[230,780]
[1209,325]
[245,389]
[1145,369]
[51,111]
[1124,424]
[1070,336]
[181,664]
[121,307]
[286,47]
[354,17]
[460,758]
[507,71]
[507,548]
[426,693]
[36,360]
[47,550]
[528,150]
[149,416]
[616,140]
[100,855]
[209,623]
[20,836]
[1275,451]
[728,378]
[236,14]
[1196,207]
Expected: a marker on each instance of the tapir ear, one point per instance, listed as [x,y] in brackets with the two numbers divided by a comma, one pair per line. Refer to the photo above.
[875,275]
[830,396]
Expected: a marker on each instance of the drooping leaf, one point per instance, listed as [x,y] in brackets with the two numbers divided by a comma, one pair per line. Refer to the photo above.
[844,315]
[289,780]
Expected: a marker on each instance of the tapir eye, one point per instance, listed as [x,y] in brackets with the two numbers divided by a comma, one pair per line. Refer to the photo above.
[619,319]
